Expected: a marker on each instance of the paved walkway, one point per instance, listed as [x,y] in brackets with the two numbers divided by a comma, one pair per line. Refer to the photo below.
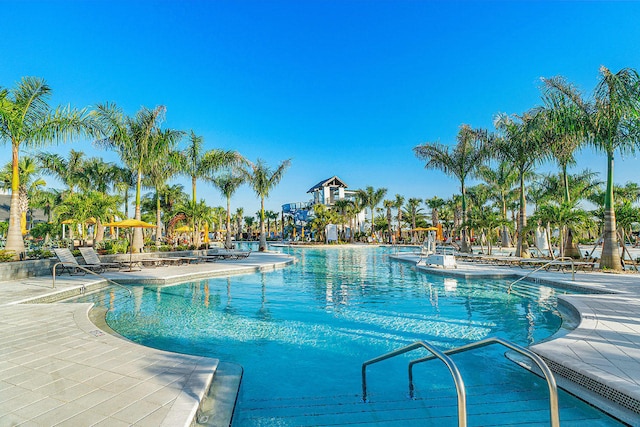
[57,368]
[601,356]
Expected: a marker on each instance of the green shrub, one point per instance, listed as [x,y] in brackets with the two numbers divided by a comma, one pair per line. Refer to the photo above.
[6,255]
[40,254]
[40,230]
[120,246]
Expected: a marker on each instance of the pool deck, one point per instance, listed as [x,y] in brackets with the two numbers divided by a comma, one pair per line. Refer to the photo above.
[58,368]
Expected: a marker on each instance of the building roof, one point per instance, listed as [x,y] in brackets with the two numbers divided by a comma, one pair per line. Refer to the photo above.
[334,181]
[5,206]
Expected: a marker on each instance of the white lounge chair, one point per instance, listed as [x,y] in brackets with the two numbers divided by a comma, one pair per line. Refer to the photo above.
[70,264]
[91,258]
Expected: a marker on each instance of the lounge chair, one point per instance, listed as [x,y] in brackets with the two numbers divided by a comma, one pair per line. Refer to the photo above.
[70,264]
[91,258]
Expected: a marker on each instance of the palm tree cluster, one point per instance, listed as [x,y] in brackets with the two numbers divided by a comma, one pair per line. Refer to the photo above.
[507,157]
[150,156]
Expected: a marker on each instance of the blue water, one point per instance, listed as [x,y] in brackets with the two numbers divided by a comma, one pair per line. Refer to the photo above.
[304,331]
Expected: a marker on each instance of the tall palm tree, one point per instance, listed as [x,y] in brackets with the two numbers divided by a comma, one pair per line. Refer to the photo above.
[71,171]
[196,163]
[501,181]
[263,179]
[30,185]
[239,219]
[27,121]
[461,162]
[398,205]
[371,197]
[162,164]
[388,205]
[610,124]
[228,184]
[519,144]
[435,204]
[133,139]
[413,212]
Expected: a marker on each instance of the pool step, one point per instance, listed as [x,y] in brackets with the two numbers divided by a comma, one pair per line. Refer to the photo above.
[485,407]
[216,409]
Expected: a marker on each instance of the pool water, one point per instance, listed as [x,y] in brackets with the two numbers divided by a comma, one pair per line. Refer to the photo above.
[303,332]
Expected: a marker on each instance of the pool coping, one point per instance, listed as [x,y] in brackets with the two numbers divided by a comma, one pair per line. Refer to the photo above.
[32,392]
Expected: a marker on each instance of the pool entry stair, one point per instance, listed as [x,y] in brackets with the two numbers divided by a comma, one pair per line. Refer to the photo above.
[443,356]
[499,402]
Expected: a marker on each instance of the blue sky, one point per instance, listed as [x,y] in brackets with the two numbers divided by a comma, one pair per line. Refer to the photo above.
[343,88]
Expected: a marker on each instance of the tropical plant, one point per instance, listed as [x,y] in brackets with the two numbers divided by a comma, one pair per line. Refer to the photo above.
[262,180]
[27,121]
[501,181]
[196,163]
[519,143]
[30,185]
[228,184]
[388,205]
[370,197]
[399,201]
[461,162]
[610,124]
[133,139]
[412,213]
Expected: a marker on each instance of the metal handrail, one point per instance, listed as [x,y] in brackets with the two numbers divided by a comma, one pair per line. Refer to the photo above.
[88,271]
[548,375]
[455,374]
[557,260]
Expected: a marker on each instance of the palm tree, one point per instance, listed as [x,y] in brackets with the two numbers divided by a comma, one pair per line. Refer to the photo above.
[610,124]
[228,184]
[461,161]
[520,145]
[162,164]
[199,164]
[389,204]
[71,171]
[30,184]
[398,205]
[435,204]
[133,139]
[262,179]
[26,120]
[413,212]
[371,197]
[239,219]
[501,181]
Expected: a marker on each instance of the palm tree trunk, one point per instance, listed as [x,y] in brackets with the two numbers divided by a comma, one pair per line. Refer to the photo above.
[138,242]
[227,243]
[610,258]
[506,238]
[158,225]
[465,245]
[99,231]
[522,220]
[263,237]
[15,241]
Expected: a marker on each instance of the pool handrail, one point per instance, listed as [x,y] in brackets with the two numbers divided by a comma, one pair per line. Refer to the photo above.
[53,286]
[554,261]
[544,368]
[453,369]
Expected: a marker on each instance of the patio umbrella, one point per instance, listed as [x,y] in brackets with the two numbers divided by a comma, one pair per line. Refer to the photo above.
[130,223]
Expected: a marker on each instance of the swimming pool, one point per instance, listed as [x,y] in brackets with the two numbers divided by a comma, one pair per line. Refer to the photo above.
[302,333]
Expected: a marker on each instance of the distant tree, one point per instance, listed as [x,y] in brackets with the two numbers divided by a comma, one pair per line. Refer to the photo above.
[263,179]
[228,184]
[461,161]
[371,197]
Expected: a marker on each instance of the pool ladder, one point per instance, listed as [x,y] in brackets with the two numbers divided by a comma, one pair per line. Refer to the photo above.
[457,378]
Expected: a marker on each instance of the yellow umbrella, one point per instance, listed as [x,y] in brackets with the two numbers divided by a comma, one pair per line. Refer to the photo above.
[425,229]
[184,229]
[130,223]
